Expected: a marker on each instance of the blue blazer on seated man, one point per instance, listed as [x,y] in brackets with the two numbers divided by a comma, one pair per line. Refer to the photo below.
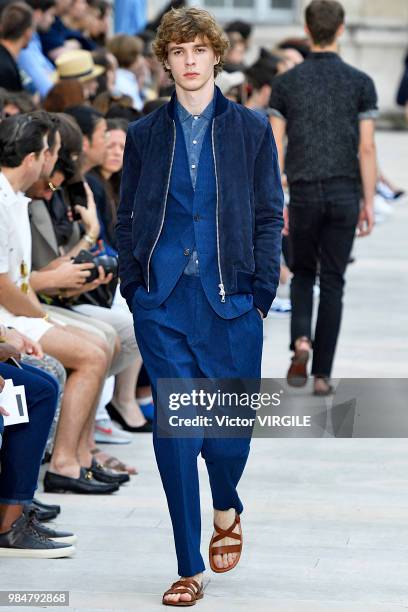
[199,240]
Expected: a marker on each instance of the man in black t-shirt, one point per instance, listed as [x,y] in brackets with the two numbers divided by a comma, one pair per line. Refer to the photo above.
[16,30]
[327,109]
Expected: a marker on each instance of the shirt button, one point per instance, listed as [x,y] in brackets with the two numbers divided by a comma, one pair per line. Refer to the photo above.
[195,117]
[196,217]
[186,252]
[194,142]
[193,165]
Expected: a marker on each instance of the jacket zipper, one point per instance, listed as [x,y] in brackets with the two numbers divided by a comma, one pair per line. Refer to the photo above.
[221,284]
[164,209]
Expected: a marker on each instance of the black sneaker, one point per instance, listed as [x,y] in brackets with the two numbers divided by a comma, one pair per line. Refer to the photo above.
[22,540]
[56,483]
[65,537]
[51,507]
[43,515]
[102,474]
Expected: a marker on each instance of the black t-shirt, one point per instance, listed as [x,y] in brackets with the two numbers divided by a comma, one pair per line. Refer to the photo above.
[323,99]
[9,75]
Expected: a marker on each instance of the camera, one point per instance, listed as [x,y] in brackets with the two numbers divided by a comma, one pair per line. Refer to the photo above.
[108,263]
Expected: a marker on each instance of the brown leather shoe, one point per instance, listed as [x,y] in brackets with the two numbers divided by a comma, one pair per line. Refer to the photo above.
[228,548]
[184,585]
[297,373]
[322,386]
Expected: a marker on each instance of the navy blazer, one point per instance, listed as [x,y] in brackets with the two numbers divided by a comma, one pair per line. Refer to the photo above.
[249,206]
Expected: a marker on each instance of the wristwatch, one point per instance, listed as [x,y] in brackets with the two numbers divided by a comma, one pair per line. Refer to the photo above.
[89,239]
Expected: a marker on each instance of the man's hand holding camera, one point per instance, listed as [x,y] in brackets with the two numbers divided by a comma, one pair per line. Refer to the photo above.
[103,279]
[70,275]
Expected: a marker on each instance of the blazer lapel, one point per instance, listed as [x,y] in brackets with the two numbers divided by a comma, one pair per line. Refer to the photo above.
[40,219]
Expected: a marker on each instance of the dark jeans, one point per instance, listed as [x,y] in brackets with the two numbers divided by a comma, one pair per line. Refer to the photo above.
[322,222]
[23,445]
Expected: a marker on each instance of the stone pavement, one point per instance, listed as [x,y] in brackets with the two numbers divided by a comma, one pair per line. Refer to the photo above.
[325,520]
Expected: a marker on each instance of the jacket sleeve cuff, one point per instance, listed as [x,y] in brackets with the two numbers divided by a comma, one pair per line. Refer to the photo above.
[128,292]
[263,300]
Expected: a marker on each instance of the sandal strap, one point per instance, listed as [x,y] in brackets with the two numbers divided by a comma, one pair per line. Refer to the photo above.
[185,586]
[180,591]
[220,536]
[187,582]
[228,548]
[227,533]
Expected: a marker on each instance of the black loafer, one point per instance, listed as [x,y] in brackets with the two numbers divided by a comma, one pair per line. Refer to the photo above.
[52,507]
[85,484]
[101,474]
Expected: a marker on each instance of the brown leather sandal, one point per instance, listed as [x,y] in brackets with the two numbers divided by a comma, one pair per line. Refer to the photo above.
[228,548]
[184,585]
[297,373]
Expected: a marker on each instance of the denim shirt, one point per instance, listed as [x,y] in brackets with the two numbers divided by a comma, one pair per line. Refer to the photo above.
[194,129]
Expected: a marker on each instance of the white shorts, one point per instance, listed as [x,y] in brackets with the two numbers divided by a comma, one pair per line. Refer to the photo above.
[32,327]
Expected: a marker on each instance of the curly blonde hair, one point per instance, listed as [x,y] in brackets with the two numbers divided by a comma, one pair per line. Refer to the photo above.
[184,25]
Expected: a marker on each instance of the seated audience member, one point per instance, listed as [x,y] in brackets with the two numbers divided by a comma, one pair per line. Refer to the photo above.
[97,21]
[79,65]
[14,103]
[74,19]
[276,61]
[51,278]
[106,81]
[65,93]
[109,171]
[243,28]
[32,354]
[49,225]
[117,111]
[16,29]
[95,138]
[155,74]
[32,60]
[260,78]
[128,53]
[59,37]
[21,450]
[23,146]
[107,175]
[301,45]
[235,55]
[105,100]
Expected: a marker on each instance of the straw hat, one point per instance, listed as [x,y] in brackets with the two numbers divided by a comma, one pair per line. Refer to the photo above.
[77,64]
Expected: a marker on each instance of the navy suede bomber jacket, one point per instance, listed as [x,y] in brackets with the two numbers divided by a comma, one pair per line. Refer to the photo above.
[249,199]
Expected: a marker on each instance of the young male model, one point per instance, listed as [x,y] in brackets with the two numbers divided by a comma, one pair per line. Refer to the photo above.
[199,236]
[327,109]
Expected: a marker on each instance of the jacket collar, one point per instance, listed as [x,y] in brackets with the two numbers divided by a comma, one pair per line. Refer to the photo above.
[221,104]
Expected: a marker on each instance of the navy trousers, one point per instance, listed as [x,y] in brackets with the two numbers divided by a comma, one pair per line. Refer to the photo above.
[185,338]
[23,445]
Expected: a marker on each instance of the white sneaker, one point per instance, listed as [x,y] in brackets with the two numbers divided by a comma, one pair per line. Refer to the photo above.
[106,432]
[281,305]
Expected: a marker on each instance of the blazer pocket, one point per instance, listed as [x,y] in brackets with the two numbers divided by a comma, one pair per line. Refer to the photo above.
[244,281]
